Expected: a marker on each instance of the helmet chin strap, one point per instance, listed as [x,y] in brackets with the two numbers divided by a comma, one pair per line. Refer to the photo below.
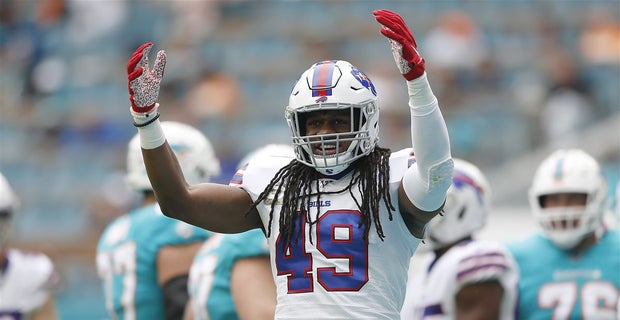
[329,164]
[335,176]
[332,171]
[566,239]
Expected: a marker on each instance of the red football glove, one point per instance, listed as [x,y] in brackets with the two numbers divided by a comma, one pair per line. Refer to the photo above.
[143,83]
[404,48]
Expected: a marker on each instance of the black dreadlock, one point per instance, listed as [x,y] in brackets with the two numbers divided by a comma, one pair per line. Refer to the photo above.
[371,174]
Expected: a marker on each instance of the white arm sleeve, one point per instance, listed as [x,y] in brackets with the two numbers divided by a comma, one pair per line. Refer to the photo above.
[427,181]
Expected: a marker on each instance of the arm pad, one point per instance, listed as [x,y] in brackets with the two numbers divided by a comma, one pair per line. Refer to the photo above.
[427,181]
[175,297]
[428,192]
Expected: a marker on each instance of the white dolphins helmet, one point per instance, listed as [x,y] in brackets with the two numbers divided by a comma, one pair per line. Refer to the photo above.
[8,206]
[334,85]
[568,171]
[466,209]
[193,150]
[274,150]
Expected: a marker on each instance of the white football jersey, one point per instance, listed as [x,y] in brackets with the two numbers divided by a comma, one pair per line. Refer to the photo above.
[431,290]
[26,283]
[331,271]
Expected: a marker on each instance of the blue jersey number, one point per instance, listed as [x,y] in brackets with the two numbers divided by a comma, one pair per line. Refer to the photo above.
[342,262]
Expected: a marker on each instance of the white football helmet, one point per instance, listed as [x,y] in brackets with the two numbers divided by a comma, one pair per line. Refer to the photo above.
[274,150]
[334,85]
[466,209]
[568,171]
[193,150]
[9,202]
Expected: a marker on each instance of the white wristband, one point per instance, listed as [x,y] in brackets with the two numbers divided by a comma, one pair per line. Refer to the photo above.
[152,135]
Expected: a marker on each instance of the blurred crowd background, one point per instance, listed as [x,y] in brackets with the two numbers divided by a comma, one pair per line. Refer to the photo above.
[515,79]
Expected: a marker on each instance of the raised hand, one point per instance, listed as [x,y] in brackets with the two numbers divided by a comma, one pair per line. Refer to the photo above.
[404,48]
[143,82]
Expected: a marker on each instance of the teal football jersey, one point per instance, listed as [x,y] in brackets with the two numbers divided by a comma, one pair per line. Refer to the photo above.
[557,285]
[127,260]
[209,281]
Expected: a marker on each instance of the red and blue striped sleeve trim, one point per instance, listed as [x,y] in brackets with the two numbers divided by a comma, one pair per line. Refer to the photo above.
[237,179]
[493,262]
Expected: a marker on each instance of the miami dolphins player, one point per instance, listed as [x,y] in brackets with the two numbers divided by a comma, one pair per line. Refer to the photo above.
[143,257]
[27,279]
[465,278]
[571,269]
[345,216]
[231,275]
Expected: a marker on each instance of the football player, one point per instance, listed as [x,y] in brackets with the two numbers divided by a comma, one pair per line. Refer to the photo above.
[465,278]
[571,269]
[27,279]
[344,217]
[143,257]
[231,275]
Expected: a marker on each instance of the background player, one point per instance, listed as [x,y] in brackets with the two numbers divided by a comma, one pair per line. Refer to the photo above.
[465,278]
[328,214]
[27,279]
[231,275]
[144,257]
[570,269]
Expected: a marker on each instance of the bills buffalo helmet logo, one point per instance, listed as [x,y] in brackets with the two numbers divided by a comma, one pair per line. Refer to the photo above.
[363,79]
[321,99]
